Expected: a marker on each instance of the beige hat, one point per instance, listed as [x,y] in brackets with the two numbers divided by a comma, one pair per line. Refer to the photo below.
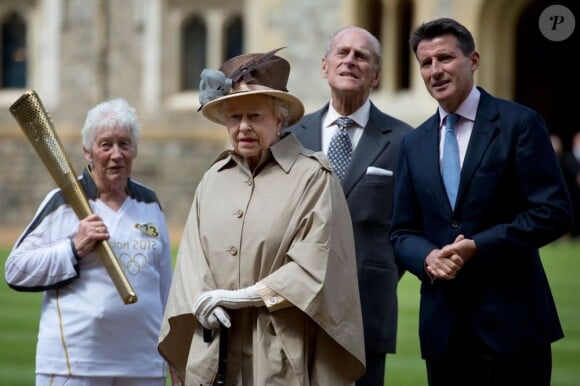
[248,74]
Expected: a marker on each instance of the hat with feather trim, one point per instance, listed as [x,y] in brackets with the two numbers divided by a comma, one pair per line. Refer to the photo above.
[243,75]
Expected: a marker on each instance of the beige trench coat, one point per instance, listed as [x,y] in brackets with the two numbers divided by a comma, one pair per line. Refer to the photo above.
[287,226]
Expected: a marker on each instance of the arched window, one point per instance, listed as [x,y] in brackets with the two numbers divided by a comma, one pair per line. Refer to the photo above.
[234,44]
[193,51]
[13,52]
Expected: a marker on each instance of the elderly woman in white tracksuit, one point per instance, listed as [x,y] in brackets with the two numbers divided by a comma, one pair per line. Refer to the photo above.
[87,335]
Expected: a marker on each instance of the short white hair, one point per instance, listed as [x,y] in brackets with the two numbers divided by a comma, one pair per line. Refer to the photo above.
[111,113]
[375,44]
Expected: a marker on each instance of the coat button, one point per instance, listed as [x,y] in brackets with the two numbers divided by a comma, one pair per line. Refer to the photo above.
[454,224]
[239,213]
[233,250]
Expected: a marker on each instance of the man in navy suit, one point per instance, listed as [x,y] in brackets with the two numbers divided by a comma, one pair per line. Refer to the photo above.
[352,66]
[487,316]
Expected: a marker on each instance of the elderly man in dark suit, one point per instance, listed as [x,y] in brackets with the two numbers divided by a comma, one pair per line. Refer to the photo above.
[487,316]
[366,165]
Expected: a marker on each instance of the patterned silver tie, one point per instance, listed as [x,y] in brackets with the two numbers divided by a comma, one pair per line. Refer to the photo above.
[340,149]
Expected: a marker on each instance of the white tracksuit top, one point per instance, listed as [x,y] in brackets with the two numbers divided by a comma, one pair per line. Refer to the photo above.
[85,328]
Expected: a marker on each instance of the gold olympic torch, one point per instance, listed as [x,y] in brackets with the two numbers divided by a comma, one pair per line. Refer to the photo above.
[38,127]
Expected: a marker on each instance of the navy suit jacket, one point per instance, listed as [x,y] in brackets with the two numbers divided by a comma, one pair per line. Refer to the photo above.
[512,200]
[370,200]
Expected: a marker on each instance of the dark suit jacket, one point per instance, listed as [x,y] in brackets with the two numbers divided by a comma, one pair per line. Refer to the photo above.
[512,200]
[370,200]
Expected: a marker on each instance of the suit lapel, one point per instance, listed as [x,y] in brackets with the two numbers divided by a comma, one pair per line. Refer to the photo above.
[428,150]
[481,135]
[309,132]
[371,144]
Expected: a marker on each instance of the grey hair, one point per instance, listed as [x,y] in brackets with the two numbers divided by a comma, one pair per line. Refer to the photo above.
[375,44]
[111,113]
[280,107]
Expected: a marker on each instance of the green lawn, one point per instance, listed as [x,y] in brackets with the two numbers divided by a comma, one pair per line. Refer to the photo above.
[19,313]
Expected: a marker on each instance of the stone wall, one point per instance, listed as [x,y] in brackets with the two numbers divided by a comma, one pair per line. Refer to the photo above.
[171,164]
[82,52]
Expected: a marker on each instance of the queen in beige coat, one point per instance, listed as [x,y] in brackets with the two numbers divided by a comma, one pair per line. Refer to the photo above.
[267,249]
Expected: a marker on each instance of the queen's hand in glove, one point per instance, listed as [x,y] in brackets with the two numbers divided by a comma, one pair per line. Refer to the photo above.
[208,307]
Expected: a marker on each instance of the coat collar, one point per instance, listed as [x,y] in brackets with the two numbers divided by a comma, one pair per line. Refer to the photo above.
[285,152]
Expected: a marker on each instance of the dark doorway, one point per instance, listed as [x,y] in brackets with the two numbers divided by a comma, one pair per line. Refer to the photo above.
[13,47]
[546,79]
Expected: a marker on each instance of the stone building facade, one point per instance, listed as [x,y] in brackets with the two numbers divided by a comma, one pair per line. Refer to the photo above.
[80,52]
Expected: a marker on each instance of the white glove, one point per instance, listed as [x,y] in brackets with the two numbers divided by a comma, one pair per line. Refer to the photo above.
[235,299]
[214,319]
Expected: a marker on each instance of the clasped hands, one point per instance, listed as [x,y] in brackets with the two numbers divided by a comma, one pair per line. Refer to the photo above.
[209,306]
[446,262]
